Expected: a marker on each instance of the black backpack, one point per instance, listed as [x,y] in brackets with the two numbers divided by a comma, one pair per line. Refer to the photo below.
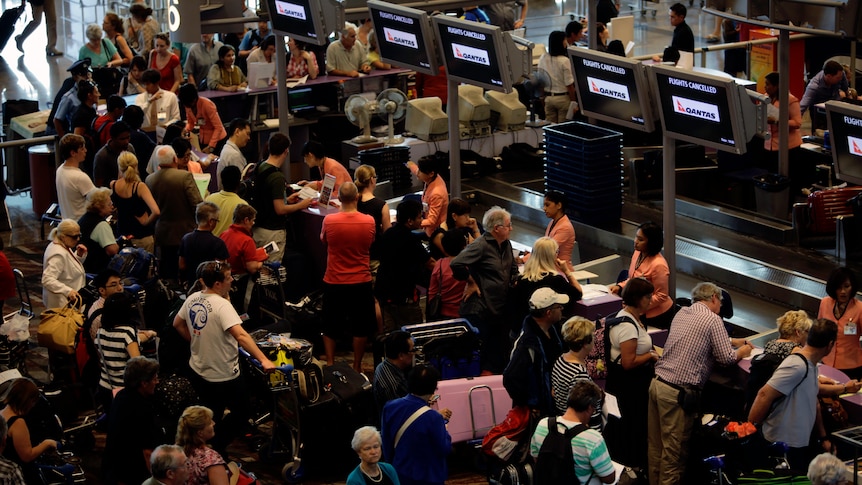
[251,186]
[608,325]
[762,367]
[555,463]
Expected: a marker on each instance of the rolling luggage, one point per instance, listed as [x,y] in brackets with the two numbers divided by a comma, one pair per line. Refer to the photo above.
[477,404]
[352,391]
[451,346]
[7,23]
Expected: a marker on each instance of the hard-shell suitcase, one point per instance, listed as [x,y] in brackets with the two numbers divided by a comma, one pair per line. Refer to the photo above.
[477,404]
[7,23]
[451,346]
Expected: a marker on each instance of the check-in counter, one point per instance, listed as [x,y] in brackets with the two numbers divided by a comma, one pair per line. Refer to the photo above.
[23,127]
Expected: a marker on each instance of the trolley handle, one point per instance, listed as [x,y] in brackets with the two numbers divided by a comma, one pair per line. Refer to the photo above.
[287,369]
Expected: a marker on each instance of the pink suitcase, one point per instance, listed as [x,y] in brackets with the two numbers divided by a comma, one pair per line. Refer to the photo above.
[477,404]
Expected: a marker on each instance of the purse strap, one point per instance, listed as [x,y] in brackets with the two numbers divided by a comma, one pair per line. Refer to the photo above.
[440,286]
[413,417]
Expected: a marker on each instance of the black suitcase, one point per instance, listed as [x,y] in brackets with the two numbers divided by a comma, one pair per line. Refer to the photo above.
[7,24]
[347,384]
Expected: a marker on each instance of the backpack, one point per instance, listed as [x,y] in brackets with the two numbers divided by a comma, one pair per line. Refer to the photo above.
[597,361]
[555,463]
[251,187]
[762,367]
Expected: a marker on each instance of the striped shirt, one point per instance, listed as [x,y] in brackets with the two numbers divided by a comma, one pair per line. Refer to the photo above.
[10,473]
[390,383]
[111,344]
[563,377]
[588,449]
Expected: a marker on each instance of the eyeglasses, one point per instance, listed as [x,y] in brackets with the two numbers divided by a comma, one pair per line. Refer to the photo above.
[508,226]
[434,399]
[74,236]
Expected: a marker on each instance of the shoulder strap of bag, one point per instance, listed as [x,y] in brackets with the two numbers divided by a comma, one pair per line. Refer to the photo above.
[413,417]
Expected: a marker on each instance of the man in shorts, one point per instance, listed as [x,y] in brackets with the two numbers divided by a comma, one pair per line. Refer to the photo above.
[348,300]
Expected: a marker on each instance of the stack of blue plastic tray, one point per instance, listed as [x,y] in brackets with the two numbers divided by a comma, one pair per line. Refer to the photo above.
[585,163]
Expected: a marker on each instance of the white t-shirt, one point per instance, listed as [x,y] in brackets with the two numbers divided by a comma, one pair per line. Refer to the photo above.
[626,331]
[209,318]
[559,69]
[73,185]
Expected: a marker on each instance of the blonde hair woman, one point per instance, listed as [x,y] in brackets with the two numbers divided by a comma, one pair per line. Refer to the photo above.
[96,233]
[206,466]
[365,179]
[793,328]
[543,269]
[136,208]
[63,265]
[571,367]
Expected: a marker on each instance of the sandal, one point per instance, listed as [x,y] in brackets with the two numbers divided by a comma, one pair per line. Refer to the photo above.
[712,39]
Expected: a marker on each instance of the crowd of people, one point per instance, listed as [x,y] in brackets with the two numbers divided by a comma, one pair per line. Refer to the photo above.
[374,266]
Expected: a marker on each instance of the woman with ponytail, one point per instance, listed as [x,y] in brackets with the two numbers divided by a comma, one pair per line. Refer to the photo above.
[137,211]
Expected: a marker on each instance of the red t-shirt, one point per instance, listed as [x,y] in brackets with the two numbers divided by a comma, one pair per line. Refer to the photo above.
[348,237]
[167,72]
[241,248]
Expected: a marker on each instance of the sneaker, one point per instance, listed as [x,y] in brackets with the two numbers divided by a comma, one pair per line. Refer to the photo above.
[52,52]
[712,39]
[19,43]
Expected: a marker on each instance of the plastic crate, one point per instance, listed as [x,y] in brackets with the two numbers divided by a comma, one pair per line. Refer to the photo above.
[582,133]
[585,163]
[389,163]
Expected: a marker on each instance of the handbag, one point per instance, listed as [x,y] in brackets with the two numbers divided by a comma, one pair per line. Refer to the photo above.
[434,305]
[58,327]
[833,413]
[238,475]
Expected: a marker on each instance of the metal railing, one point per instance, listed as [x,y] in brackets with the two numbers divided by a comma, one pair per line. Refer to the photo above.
[747,45]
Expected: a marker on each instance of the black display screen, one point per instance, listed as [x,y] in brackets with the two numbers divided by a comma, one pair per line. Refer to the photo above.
[470,53]
[845,133]
[293,18]
[401,39]
[697,109]
[608,89]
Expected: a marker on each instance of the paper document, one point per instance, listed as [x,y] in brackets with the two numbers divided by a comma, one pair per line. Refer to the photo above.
[308,193]
[618,471]
[610,406]
[772,111]
[594,290]
[296,81]
[754,351]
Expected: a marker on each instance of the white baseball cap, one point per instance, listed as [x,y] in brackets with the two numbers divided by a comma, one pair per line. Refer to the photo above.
[545,297]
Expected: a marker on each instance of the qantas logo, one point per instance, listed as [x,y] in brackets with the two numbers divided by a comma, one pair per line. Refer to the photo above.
[290,10]
[472,54]
[696,109]
[401,38]
[609,89]
[855,145]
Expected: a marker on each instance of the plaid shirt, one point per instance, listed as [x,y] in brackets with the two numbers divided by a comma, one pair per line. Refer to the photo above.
[696,340]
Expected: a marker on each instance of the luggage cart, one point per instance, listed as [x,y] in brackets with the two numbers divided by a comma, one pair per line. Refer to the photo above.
[285,440]
[268,287]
